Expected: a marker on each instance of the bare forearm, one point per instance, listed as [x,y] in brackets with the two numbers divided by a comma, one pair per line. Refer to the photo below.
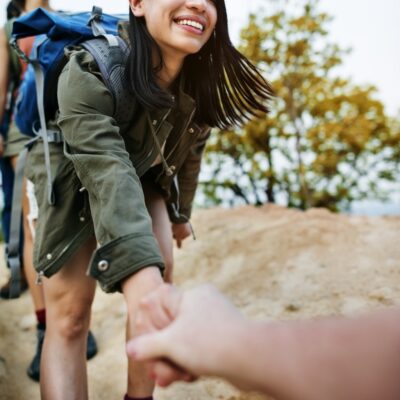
[354,359]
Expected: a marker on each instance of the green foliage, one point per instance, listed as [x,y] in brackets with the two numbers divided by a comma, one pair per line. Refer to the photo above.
[326,141]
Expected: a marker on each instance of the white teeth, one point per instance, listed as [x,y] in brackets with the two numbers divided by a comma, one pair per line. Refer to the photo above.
[189,22]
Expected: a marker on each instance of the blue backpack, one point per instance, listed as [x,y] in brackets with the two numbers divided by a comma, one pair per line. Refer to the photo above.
[53,32]
[37,98]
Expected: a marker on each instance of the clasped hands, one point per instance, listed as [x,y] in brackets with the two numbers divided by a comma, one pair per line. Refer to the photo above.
[182,335]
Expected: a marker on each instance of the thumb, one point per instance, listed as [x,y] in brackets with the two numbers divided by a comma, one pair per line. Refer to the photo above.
[146,347]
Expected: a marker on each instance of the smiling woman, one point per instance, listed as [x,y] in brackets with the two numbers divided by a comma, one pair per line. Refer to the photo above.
[126,181]
[221,78]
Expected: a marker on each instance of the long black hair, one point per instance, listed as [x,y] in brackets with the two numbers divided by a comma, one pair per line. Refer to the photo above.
[227,88]
[15,8]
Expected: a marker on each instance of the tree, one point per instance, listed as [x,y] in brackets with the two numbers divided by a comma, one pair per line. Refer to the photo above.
[326,141]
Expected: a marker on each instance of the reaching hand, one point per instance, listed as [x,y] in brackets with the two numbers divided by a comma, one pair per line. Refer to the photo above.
[187,333]
[181,232]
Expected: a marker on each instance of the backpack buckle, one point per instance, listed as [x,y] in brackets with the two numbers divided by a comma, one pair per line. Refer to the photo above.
[54,136]
[97,12]
[20,53]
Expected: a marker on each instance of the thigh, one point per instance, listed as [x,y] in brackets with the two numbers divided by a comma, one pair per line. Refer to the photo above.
[161,224]
[71,290]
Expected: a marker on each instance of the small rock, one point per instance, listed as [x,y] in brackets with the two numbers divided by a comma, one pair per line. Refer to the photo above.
[292,307]
[3,368]
[27,322]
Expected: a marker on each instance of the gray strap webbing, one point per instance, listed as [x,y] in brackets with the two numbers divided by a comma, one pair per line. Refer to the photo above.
[39,78]
[13,255]
[112,62]
[98,29]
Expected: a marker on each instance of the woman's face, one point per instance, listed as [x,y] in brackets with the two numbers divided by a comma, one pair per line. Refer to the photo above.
[180,27]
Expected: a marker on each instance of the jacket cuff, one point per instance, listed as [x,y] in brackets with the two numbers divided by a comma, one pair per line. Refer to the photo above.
[180,217]
[122,257]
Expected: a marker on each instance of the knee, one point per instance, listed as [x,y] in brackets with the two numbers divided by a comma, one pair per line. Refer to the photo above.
[71,323]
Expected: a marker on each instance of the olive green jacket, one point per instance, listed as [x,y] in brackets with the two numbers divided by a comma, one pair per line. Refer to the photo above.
[106,160]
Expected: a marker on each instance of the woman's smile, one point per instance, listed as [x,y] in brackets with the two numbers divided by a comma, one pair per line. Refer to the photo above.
[193,24]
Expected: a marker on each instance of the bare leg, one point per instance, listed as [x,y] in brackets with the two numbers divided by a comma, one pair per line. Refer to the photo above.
[155,204]
[69,295]
[134,288]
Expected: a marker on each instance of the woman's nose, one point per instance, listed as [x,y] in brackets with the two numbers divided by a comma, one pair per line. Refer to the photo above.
[199,5]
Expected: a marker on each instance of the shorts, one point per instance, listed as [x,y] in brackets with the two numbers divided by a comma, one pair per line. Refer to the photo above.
[64,227]
[16,141]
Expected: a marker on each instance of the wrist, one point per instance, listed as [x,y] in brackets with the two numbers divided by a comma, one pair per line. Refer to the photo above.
[253,358]
[234,348]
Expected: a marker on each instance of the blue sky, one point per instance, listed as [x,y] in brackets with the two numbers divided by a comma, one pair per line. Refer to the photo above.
[370,27]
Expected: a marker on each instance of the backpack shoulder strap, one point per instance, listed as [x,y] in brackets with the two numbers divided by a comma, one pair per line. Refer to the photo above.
[111,60]
[15,67]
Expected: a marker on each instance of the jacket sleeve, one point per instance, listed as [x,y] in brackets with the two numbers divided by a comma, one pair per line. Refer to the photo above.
[188,179]
[97,150]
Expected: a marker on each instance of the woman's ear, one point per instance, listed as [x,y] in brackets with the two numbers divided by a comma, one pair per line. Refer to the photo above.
[136,7]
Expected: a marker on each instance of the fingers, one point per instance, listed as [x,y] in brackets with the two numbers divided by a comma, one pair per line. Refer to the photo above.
[164,373]
[171,299]
[178,240]
[180,233]
[168,297]
[148,347]
[151,315]
[158,309]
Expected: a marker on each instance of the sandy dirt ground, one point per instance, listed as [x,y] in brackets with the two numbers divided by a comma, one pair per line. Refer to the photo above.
[271,262]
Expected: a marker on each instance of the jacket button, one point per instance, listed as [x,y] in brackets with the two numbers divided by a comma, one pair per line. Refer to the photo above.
[49,256]
[154,122]
[191,130]
[103,265]
[172,168]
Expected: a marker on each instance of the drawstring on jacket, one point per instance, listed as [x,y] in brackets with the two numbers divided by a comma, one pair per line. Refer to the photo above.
[169,172]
